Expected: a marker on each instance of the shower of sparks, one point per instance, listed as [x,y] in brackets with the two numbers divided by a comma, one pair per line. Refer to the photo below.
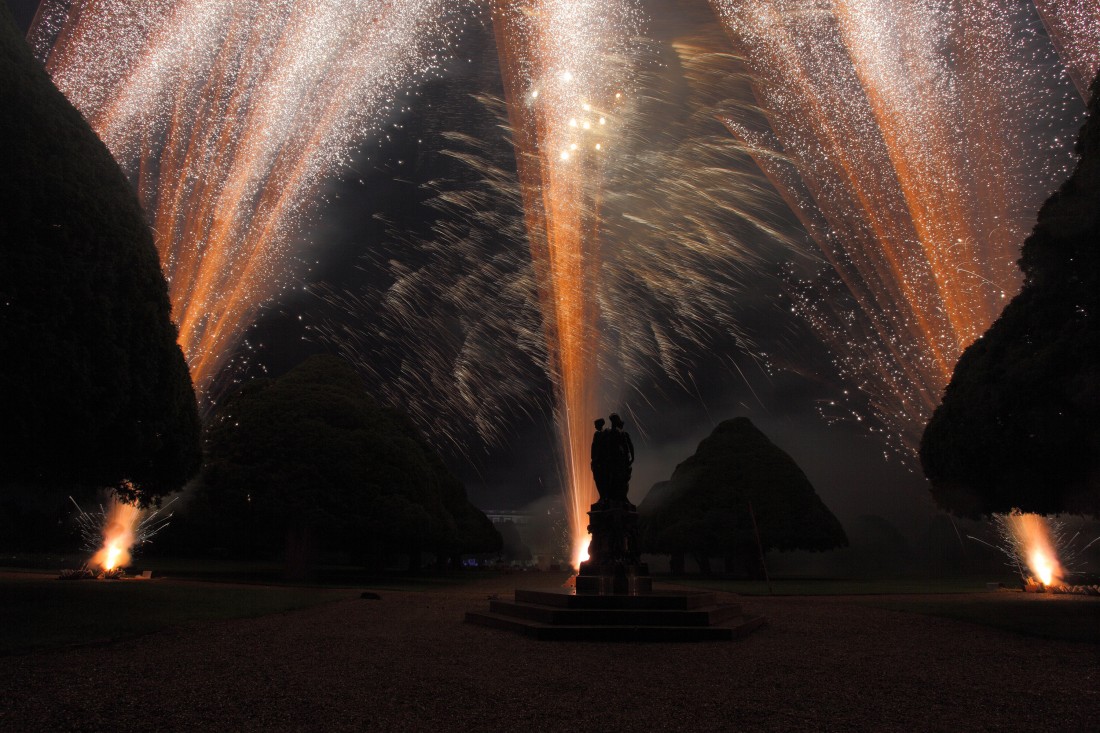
[113,532]
[1074,28]
[228,117]
[1034,545]
[682,217]
[566,66]
[914,139]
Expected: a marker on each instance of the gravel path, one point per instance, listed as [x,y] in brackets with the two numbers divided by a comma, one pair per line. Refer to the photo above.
[408,662]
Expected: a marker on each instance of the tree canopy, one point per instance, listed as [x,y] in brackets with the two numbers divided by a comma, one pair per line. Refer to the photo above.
[703,510]
[96,391]
[311,455]
[1019,424]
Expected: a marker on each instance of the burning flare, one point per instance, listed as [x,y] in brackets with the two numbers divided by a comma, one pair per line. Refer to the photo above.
[119,535]
[1034,546]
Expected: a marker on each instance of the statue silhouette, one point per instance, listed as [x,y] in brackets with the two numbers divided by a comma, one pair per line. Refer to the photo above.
[599,458]
[612,457]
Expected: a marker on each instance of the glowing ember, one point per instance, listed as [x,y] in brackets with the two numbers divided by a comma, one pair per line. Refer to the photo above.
[119,533]
[580,552]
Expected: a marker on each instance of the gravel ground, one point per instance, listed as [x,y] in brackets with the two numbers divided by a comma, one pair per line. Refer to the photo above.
[408,662]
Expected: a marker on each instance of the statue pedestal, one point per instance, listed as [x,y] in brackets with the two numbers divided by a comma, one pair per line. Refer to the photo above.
[614,566]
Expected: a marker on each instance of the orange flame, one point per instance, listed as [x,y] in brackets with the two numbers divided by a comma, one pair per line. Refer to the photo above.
[1035,546]
[118,536]
[580,550]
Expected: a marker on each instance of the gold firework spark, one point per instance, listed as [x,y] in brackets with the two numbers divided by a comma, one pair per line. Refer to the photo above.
[228,116]
[566,70]
[903,134]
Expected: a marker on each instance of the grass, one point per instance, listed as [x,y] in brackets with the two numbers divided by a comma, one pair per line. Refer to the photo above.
[253,571]
[39,613]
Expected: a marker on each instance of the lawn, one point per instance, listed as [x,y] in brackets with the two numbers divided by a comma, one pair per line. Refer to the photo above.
[39,612]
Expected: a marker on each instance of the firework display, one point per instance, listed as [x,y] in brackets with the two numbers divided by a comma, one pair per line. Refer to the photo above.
[228,117]
[1074,27]
[566,69]
[913,140]
[904,136]
[681,212]
[113,532]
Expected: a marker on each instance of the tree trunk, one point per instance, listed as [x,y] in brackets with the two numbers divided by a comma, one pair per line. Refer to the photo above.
[703,561]
[676,563]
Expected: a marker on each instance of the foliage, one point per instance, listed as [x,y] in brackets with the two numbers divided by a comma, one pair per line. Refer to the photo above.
[311,456]
[96,391]
[704,509]
[1019,424]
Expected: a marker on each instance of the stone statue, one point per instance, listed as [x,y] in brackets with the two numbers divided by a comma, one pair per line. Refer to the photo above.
[614,563]
[599,458]
[619,460]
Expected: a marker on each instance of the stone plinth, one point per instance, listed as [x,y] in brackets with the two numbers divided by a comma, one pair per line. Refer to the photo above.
[614,556]
[652,616]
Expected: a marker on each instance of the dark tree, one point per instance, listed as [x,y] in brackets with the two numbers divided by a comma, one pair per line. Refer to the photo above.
[1019,424]
[310,462]
[703,510]
[96,391]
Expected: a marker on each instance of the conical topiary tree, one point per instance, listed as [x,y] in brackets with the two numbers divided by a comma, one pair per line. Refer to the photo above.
[1019,424]
[704,509]
[96,391]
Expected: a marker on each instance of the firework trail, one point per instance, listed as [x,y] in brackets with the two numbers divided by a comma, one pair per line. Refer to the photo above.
[566,66]
[228,117]
[681,217]
[1074,27]
[903,134]
[453,336]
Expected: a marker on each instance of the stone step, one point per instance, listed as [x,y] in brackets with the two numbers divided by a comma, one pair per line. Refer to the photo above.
[732,629]
[656,600]
[707,616]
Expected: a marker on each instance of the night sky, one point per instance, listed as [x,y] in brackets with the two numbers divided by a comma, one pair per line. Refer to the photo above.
[346,242]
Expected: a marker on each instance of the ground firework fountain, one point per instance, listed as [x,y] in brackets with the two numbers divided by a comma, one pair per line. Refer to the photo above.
[565,65]
[113,532]
[228,117]
[1043,553]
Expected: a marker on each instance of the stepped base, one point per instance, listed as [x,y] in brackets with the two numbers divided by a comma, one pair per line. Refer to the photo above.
[654,616]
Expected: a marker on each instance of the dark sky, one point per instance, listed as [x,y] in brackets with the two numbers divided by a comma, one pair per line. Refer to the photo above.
[847,466]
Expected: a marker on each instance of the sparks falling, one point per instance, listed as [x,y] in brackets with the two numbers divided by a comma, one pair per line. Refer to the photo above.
[113,532]
[915,140]
[1074,28]
[228,117]
[566,69]
[1032,542]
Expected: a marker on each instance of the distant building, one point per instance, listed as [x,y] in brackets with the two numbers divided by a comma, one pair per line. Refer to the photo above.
[540,526]
[518,517]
